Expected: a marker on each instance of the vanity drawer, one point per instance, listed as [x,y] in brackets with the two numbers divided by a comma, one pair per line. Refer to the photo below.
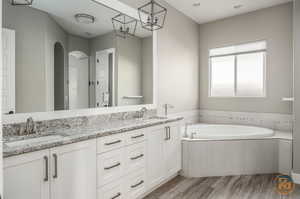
[135,157]
[114,190]
[135,137]
[109,143]
[136,184]
[110,166]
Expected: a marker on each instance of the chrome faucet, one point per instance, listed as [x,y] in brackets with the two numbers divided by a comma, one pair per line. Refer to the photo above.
[142,112]
[125,115]
[30,127]
[167,107]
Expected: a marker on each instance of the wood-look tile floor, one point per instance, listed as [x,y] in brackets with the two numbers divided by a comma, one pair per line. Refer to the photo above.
[229,187]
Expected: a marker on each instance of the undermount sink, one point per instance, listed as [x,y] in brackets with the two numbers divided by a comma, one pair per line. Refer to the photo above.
[32,140]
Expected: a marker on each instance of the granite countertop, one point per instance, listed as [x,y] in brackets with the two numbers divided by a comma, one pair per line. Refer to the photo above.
[17,145]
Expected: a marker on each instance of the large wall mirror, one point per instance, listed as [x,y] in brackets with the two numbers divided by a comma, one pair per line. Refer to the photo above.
[65,55]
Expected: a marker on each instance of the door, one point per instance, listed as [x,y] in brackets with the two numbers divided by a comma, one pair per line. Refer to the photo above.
[8,72]
[105,78]
[73,171]
[173,150]
[27,176]
[78,80]
[155,153]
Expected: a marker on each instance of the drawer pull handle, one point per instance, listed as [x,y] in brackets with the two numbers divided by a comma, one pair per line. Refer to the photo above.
[138,136]
[55,166]
[46,168]
[113,166]
[138,184]
[116,196]
[137,157]
[112,143]
[167,133]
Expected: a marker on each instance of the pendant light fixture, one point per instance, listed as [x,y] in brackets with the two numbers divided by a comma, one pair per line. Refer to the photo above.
[152,16]
[21,2]
[124,25]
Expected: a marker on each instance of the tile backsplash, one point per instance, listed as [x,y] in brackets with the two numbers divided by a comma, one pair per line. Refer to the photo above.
[279,122]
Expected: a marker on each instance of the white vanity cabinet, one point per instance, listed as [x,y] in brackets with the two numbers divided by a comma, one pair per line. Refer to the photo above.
[26,176]
[172,151]
[73,169]
[121,166]
[164,153]
[62,172]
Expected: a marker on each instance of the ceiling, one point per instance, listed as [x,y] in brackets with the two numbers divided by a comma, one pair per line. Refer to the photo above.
[63,12]
[211,10]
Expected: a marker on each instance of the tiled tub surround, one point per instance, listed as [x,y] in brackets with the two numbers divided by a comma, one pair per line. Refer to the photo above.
[277,122]
[55,133]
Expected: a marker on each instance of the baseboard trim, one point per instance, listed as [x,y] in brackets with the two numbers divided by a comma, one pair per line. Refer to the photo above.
[296,177]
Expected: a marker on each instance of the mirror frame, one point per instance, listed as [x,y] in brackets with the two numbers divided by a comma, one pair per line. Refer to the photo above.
[40,116]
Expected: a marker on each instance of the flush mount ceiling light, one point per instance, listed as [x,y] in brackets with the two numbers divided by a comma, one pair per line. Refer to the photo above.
[85,18]
[21,2]
[152,15]
[124,25]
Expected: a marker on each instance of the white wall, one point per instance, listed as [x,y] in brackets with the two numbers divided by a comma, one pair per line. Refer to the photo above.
[273,25]
[296,133]
[178,62]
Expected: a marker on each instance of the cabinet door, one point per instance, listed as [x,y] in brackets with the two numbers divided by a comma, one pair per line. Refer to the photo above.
[26,176]
[155,156]
[173,150]
[73,171]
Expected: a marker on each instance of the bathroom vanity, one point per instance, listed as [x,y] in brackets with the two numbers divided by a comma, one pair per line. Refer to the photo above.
[124,159]
[76,81]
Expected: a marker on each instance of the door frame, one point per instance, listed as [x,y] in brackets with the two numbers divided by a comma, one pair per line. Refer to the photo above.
[11,68]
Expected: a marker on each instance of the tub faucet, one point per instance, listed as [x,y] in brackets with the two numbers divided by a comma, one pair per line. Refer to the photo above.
[30,127]
[193,135]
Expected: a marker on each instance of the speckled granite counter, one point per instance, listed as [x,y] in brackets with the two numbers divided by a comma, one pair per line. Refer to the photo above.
[16,145]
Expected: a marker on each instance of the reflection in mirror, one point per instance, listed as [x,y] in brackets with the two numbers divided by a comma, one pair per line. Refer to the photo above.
[65,55]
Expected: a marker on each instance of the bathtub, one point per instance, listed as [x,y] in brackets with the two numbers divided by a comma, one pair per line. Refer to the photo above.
[224,132]
[224,150]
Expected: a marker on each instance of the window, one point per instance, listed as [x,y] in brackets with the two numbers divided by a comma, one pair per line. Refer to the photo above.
[238,71]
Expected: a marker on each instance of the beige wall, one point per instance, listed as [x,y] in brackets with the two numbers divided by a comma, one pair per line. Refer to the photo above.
[76,43]
[273,25]
[147,71]
[129,70]
[178,62]
[36,34]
